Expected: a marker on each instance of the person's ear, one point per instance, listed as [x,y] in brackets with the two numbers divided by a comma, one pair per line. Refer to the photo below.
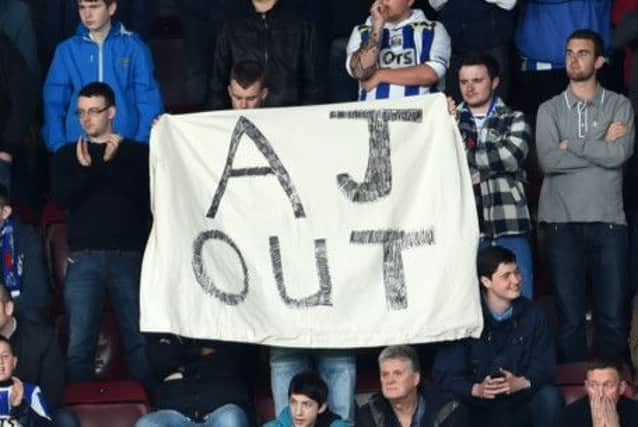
[600,61]
[486,282]
[112,111]
[9,307]
[264,93]
[323,407]
[622,387]
[112,8]
[495,82]
[6,212]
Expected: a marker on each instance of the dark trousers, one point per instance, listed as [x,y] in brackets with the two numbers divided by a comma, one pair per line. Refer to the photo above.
[576,253]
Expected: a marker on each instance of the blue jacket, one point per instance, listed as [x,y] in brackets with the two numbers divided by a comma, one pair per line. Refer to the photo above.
[325,419]
[544,25]
[124,62]
[523,345]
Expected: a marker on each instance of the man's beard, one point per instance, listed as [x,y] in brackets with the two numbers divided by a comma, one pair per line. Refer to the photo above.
[580,76]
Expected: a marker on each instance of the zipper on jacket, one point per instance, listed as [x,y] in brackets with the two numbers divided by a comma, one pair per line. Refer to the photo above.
[100,62]
[264,19]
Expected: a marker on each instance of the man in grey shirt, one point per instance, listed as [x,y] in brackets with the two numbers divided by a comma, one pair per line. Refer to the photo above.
[583,138]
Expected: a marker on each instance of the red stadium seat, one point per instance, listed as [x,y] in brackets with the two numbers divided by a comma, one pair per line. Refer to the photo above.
[107,404]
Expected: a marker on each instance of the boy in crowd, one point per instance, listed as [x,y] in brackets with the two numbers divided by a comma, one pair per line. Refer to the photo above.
[506,376]
[105,51]
[307,404]
[21,403]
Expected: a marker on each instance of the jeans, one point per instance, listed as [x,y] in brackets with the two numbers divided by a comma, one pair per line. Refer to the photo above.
[546,406]
[229,415]
[90,273]
[65,418]
[336,367]
[521,248]
[576,252]
[543,409]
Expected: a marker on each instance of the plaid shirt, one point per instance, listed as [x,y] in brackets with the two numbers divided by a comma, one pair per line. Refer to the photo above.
[496,157]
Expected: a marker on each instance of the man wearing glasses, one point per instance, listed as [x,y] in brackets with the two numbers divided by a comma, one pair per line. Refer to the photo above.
[102,182]
[604,404]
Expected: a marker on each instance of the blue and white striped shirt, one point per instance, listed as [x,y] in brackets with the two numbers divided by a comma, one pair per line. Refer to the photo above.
[414,41]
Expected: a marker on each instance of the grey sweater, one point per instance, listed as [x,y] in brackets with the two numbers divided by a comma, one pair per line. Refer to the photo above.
[584,182]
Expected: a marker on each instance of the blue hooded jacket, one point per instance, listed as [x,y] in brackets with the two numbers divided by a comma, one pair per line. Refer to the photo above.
[124,62]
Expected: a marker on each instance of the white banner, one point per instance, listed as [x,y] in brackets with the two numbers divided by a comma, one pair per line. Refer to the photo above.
[344,225]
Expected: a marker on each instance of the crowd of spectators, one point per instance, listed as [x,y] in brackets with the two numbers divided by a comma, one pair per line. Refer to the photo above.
[536,88]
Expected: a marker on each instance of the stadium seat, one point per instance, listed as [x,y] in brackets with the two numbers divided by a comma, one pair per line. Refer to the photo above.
[106,404]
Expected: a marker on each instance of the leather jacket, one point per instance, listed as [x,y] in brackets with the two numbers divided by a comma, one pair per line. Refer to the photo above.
[284,43]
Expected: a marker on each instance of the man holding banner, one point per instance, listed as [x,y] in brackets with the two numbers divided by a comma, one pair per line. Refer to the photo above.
[313,230]
[496,141]
[336,367]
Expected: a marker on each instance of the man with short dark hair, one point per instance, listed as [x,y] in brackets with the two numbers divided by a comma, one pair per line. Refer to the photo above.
[307,404]
[496,142]
[604,405]
[247,85]
[404,400]
[584,136]
[102,50]
[283,42]
[506,376]
[102,182]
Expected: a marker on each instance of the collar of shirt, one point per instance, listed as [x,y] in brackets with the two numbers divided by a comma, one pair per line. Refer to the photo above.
[597,100]
[418,413]
[507,314]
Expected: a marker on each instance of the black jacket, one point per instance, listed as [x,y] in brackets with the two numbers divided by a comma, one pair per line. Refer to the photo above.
[283,43]
[578,413]
[18,96]
[522,345]
[477,25]
[440,411]
[201,383]
[40,360]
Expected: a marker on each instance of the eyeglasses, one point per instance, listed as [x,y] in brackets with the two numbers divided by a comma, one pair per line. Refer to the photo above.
[91,112]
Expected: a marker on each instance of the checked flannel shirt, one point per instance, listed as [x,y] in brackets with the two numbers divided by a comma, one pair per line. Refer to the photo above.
[496,157]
